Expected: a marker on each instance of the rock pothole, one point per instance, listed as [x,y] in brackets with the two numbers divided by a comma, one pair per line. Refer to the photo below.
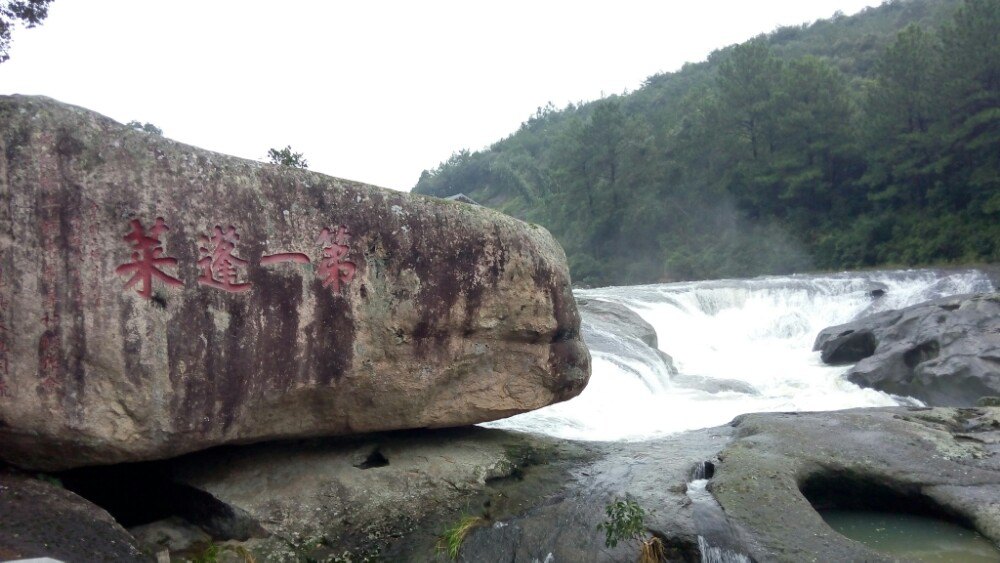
[896,519]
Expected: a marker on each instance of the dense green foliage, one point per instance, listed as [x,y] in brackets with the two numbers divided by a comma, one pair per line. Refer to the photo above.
[12,12]
[852,142]
[624,523]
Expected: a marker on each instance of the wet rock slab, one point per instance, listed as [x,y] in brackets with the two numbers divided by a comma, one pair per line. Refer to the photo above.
[157,299]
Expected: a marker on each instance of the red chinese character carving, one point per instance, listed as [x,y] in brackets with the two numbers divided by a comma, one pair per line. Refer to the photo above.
[333,269]
[218,264]
[4,392]
[147,259]
[296,257]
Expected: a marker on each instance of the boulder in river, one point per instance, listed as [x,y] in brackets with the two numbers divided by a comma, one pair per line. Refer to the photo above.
[618,333]
[945,352]
[157,299]
[606,317]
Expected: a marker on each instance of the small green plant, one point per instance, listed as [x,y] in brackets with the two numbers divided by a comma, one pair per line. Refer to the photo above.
[147,127]
[451,540]
[208,555]
[626,523]
[50,480]
[287,157]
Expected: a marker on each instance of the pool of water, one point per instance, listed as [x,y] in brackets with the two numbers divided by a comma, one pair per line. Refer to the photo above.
[911,537]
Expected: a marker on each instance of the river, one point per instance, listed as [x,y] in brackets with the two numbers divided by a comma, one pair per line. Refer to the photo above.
[758,332]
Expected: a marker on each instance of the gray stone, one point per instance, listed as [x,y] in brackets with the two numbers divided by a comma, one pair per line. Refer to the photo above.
[943,460]
[342,308]
[462,198]
[616,332]
[713,384]
[323,497]
[945,352]
[608,317]
[41,519]
[172,534]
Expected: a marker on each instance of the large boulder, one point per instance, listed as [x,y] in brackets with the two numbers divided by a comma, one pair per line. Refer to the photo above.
[945,352]
[157,299]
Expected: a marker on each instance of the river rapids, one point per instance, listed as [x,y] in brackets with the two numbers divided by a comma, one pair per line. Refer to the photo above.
[755,335]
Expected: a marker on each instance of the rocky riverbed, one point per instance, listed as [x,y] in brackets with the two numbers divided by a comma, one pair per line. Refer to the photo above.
[392,496]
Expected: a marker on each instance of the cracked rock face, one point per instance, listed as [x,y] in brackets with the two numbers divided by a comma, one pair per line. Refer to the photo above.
[945,352]
[157,299]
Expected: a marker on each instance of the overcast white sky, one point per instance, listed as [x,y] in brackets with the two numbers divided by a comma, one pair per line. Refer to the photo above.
[369,90]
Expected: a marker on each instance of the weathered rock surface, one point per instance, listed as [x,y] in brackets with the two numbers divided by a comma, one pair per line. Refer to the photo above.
[324,497]
[392,495]
[945,352]
[157,299]
[537,496]
[940,462]
[40,519]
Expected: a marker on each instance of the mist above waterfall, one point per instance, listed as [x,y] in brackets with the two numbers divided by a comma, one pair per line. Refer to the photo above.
[737,346]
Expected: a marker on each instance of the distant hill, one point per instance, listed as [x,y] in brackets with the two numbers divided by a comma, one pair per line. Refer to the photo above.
[851,142]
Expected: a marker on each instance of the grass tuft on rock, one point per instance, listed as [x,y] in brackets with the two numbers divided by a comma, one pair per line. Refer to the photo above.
[451,540]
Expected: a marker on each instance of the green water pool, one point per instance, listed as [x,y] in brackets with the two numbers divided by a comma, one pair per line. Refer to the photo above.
[911,537]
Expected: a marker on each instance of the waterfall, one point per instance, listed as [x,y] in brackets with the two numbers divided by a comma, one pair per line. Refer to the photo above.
[712,554]
[717,541]
[738,346]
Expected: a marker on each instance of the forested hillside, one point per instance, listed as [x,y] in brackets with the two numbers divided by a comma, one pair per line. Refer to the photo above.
[852,142]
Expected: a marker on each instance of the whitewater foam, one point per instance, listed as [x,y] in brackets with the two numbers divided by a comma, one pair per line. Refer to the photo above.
[759,332]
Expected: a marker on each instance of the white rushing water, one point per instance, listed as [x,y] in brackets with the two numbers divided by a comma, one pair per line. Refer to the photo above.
[759,332]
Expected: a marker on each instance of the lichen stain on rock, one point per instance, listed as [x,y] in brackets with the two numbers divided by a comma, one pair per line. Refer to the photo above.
[278,299]
[330,345]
